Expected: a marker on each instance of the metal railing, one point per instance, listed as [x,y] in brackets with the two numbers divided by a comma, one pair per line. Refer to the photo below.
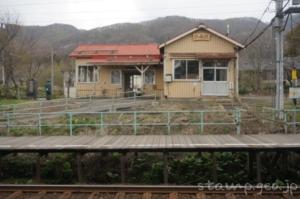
[67,104]
[118,121]
[290,118]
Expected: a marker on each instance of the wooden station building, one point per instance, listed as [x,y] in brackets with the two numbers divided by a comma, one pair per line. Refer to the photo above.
[200,62]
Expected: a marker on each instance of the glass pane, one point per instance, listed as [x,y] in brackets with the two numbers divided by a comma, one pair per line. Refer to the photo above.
[222,63]
[208,74]
[208,63]
[149,77]
[180,69]
[193,69]
[221,75]
[115,77]
[90,73]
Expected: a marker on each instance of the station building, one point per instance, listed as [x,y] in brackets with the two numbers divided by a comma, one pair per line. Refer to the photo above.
[200,62]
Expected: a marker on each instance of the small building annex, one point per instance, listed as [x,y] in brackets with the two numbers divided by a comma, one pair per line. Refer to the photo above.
[200,62]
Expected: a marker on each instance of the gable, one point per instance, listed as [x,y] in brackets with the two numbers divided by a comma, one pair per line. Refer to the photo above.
[200,41]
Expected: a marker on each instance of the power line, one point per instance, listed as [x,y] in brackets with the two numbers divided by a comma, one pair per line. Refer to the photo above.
[261,33]
[80,1]
[258,22]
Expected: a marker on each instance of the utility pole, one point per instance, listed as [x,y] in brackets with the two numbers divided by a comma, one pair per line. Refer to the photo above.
[278,29]
[52,71]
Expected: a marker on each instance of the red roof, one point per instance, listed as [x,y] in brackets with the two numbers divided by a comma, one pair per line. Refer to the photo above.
[118,53]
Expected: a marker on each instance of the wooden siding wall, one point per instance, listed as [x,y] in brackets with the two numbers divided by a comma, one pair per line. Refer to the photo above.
[104,87]
[188,89]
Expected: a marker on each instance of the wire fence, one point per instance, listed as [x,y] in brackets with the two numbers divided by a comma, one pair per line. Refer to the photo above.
[122,122]
[288,118]
[70,104]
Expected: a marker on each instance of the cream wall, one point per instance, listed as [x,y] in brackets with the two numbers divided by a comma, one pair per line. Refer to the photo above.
[104,86]
[193,88]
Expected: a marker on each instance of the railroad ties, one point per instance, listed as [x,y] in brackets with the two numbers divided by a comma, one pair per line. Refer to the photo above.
[135,192]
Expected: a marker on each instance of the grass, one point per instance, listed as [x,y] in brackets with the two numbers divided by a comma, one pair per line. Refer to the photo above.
[12,101]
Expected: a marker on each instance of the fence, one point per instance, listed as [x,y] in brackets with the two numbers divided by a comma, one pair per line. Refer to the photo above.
[69,104]
[119,122]
[288,118]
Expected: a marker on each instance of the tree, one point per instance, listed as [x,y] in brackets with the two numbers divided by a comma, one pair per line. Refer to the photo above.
[259,56]
[9,29]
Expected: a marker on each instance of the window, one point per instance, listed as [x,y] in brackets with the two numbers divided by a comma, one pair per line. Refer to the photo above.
[149,77]
[192,69]
[221,74]
[215,70]
[186,69]
[180,69]
[115,77]
[88,74]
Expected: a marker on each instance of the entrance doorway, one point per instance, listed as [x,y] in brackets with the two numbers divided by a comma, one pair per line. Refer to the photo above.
[215,80]
[132,82]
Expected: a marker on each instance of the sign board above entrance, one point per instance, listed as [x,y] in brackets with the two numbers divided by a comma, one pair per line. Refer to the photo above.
[294,93]
[201,36]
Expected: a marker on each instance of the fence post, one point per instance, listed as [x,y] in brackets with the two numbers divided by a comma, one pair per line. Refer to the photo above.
[135,122]
[40,106]
[169,122]
[40,124]
[7,123]
[66,104]
[113,104]
[294,121]
[263,112]
[285,122]
[90,102]
[201,122]
[14,108]
[70,124]
[101,122]
[238,121]
[134,99]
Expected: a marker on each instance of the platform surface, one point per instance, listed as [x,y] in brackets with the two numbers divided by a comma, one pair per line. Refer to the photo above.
[151,143]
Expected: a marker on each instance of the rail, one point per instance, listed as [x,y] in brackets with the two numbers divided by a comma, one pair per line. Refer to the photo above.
[70,122]
[154,191]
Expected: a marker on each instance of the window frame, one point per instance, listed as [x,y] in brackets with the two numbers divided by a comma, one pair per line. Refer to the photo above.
[186,67]
[215,68]
[95,68]
[120,72]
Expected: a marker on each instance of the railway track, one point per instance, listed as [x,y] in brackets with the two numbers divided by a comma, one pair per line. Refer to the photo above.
[139,192]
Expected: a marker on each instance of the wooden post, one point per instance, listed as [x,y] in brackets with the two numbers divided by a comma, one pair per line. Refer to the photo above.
[123,167]
[251,156]
[38,168]
[79,166]
[166,169]
[214,167]
[285,162]
[258,167]
[294,121]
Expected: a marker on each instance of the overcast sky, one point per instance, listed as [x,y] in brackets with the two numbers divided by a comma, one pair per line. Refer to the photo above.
[87,14]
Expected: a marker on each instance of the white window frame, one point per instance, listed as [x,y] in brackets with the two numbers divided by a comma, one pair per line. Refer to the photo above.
[120,71]
[154,77]
[96,69]
[215,67]
[192,80]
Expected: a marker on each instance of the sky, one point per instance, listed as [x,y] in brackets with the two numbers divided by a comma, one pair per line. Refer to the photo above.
[88,14]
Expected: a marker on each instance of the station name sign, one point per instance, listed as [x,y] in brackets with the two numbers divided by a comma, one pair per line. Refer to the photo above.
[294,93]
[201,36]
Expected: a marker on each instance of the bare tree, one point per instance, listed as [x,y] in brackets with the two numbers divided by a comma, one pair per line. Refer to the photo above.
[9,29]
[259,56]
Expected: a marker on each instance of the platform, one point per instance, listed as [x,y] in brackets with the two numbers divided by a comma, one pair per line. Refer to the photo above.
[155,143]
